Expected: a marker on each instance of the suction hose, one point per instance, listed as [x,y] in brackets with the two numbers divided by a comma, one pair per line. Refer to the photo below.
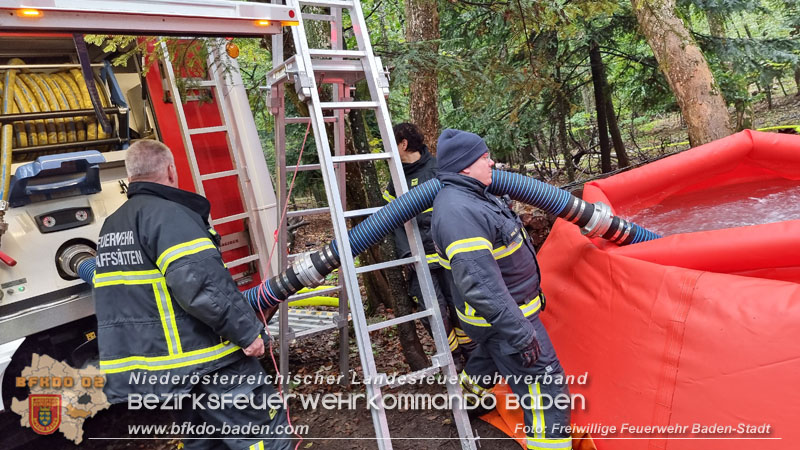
[309,270]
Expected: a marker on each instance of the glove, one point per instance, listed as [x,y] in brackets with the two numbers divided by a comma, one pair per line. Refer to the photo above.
[531,353]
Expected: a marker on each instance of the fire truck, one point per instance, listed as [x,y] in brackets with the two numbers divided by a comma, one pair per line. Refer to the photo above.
[68,115]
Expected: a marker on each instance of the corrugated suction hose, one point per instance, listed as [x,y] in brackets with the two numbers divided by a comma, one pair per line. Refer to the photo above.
[310,269]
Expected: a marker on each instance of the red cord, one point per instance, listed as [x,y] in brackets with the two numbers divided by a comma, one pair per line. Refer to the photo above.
[262,288]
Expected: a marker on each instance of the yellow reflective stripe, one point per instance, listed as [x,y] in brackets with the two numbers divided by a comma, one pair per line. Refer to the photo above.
[462,336]
[467,384]
[469,316]
[467,245]
[388,197]
[473,320]
[432,258]
[549,444]
[429,210]
[452,339]
[167,315]
[444,262]
[257,446]
[127,277]
[177,251]
[537,413]
[502,252]
[153,363]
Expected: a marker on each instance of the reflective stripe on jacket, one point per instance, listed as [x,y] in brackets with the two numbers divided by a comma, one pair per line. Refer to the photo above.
[165,303]
[484,245]
[416,173]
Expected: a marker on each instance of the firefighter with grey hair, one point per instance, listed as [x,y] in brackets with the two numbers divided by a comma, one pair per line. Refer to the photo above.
[167,306]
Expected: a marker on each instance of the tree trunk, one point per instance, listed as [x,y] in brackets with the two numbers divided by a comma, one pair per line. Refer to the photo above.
[364,191]
[422,26]
[600,106]
[797,78]
[616,136]
[685,69]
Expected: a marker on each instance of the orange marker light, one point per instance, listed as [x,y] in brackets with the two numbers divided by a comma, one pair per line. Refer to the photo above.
[232,50]
[263,23]
[32,13]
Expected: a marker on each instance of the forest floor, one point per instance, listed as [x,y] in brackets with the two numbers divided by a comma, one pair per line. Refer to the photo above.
[345,429]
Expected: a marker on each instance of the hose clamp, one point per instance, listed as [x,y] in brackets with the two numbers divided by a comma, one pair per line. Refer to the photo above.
[600,221]
[306,272]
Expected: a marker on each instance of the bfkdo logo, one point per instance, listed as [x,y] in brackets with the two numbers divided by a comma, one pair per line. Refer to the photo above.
[45,412]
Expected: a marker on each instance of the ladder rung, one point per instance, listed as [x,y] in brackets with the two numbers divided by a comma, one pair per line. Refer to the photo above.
[207,130]
[308,212]
[327,3]
[386,265]
[227,219]
[303,167]
[199,82]
[358,158]
[327,119]
[399,320]
[227,173]
[316,293]
[348,105]
[361,212]
[416,375]
[240,261]
[322,17]
[324,52]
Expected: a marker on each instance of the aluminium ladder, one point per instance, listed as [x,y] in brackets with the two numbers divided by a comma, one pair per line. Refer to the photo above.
[246,157]
[340,68]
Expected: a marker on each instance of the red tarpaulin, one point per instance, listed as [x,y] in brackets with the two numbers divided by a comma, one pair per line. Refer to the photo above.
[696,329]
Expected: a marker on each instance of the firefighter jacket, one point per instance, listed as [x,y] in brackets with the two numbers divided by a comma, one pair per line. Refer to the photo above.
[165,303]
[416,173]
[493,263]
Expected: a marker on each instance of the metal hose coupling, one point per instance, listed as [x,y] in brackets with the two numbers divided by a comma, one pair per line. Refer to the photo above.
[600,221]
[73,256]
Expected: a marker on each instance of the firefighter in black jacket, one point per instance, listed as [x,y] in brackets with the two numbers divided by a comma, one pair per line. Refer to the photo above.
[170,317]
[493,263]
[419,166]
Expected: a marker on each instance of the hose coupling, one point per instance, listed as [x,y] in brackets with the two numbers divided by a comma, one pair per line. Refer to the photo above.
[600,221]
[71,258]
[304,268]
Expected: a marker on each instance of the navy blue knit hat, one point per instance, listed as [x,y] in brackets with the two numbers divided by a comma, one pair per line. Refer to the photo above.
[456,150]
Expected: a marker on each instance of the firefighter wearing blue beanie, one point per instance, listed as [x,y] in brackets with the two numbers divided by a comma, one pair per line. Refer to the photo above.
[457,150]
[496,290]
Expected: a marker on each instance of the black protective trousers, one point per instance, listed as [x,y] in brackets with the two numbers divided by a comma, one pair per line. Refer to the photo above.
[260,417]
[546,426]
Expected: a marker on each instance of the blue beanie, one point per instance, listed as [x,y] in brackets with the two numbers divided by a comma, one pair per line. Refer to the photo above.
[456,150]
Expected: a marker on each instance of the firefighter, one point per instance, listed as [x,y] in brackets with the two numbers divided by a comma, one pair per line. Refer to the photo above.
[170,317]
[419,166]
[493,263]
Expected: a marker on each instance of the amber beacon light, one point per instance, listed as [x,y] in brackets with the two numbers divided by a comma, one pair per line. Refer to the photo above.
[29,12]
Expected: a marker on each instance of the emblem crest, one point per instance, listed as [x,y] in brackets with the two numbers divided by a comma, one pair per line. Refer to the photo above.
[44,412]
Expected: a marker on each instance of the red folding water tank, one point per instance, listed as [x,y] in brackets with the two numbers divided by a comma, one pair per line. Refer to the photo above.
[696,329]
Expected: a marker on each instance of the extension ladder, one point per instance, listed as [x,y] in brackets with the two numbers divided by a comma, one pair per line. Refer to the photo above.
[244,234]
[336,66]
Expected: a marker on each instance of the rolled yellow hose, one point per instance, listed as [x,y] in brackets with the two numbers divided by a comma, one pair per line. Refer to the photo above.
[33,104]
[63,104]
[25,108]
[18,134]
[52,101]
[44,106]
[93,130]
[71,96]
